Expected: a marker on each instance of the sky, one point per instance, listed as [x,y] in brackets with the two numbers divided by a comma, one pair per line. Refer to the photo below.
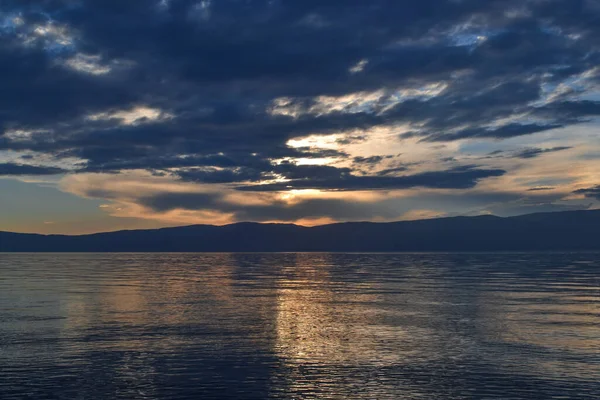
[149,113]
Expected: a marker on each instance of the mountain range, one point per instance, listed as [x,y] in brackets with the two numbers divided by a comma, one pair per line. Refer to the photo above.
[559,231]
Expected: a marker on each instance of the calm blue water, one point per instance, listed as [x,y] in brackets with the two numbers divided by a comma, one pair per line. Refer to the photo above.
[299,326]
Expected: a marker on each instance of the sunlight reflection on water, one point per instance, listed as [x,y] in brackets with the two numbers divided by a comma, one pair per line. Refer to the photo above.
[303,326]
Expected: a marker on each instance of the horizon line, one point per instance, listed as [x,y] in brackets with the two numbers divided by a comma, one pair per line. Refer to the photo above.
[298,225]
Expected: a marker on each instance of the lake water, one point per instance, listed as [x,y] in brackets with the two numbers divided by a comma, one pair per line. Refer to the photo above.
[300,326]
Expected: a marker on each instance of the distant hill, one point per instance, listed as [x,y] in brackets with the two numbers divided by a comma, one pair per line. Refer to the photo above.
[574,230]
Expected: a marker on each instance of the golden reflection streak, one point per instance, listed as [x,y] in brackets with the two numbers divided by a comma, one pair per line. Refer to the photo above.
[322,324]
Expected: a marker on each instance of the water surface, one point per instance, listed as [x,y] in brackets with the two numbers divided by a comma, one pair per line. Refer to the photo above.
[300,326]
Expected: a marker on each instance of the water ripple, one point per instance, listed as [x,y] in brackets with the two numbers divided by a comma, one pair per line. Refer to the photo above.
[300,326]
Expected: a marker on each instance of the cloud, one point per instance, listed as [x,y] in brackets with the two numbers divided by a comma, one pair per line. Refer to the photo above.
[38,93]
[393,171]
[215,93]
[457,178]
[159,198]
[189,201]
[156,198]
[369,161]
[351,140]
[22,169]
[307,209]
[592,193]
[536,152]
[503,132]
[570,111]
[216,81]
[219,176]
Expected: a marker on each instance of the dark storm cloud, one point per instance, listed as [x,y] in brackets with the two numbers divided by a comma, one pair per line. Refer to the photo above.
[570,110]
[220,176]
[392,171]
[160,162]
[370,161]
[533,153]
[36,92]
[21,169]
[457,178]
[187,201]
[528,153]
[281,211]
[307,152]
[293,171]
[503,132]
[351,140]
[592,193]
[216,67]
